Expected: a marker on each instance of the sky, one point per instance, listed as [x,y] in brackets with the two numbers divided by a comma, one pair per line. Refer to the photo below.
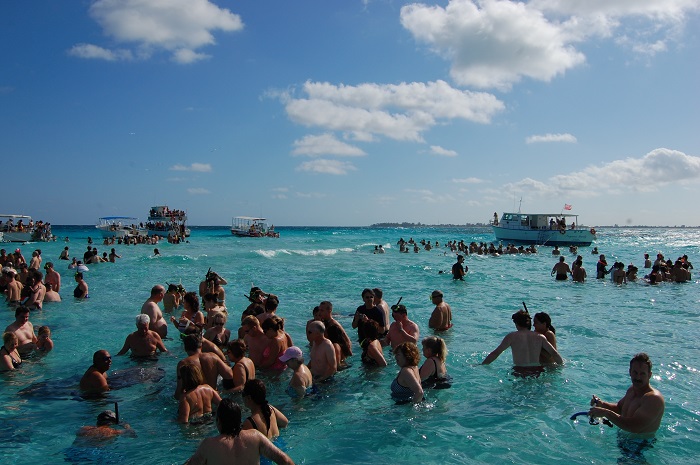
[351,112]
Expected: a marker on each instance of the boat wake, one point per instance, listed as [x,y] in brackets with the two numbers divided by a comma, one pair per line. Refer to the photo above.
[307,253]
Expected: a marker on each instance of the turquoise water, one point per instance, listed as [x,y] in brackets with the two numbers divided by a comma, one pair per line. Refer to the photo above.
[487,417]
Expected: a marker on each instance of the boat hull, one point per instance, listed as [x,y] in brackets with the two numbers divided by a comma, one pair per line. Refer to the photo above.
[577,237]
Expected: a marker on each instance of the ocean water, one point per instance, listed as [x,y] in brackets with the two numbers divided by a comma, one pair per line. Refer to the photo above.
[488,416]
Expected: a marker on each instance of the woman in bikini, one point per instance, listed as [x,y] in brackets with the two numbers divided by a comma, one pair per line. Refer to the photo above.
[191,315]
[406,386]
[243,367]
[218,334]
[433,372]
[264,417]
[273,328]
[10,359]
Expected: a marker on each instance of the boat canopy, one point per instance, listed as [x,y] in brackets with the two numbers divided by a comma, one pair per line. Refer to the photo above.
[112,218]
[27,217]
[249,218]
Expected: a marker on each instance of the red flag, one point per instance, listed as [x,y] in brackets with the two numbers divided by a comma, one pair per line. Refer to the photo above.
[567,206]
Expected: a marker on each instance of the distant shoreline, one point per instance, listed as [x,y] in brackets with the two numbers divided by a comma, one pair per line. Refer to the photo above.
[403,225]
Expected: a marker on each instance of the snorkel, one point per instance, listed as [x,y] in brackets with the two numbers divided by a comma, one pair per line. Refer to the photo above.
[116,411]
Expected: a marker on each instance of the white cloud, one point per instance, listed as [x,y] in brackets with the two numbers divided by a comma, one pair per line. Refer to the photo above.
[551,138]
[310,195]
[467,180]
[325,144]
[397,111]
[280,189]
[176,26]
[656,169]
[90,51]
[492,43]
[197,167]
[324,166]
[437,150]
[198,191]
[495,43]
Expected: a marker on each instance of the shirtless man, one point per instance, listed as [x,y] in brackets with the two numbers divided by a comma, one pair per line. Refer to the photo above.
[14,288]
[211,365]
[323,363]
[155,315]
[381,303]
[402,329]
[104,429]
[52,277]
[51,295]
[254,338]
[579,272]
[618,275]
[642,407]
[233,445]
[335,332]
[211,282]
[35,262]
[24,330]
[198,397]
[64,254]
[94,381]
[36,290]
[525,344]
[142,342]
[302,381]
[561,269]
[441,318]
[113,256]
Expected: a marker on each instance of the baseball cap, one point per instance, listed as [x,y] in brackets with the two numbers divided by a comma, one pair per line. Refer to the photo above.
[290,353]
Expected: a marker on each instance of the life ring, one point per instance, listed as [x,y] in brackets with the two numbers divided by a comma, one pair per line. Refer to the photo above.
[593,231]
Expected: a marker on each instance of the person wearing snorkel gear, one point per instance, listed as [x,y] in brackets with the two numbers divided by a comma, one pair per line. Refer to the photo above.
[104,429]
[402,329]
[642,407]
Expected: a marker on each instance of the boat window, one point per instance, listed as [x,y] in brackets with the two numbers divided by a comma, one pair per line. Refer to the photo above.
[524,220]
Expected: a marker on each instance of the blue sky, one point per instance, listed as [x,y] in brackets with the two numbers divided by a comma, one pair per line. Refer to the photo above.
[351,112]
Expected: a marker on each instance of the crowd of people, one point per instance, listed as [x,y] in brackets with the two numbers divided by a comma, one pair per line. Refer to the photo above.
[260,342]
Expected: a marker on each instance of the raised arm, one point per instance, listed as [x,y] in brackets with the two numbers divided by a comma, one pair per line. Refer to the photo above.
[497,351]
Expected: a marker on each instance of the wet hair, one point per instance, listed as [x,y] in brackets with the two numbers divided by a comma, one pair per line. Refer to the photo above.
[9,336]
[37,275]
[191,376]
[437,346]
[378,293]
[44,330]
[401,308]
[410,352]
[210,297]
[99,356]
[21,310]
[367,291]
[272,303]
[371,329]
[545,318]
[142,319]
[641,358]
[250,320]
[237,347]
[191,298]
[315,310]
[522,318]
[258,394]
[274,322]
[219,316]
[192,342]
[228,417]
[171,287]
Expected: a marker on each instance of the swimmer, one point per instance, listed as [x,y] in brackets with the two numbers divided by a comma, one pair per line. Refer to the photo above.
[44,342]
[243,368]
[642,407]
[561,269]
[64,254]
[406,387]
[197,397]
[323,363]
[234,445]
[302,382]
[211,365]
[52,277]
[9,357]
[525,344]
[433,372]
[104,428]
[263,417]
[335,332]
[150,307]
[543,326]
[402,329]
[458,269]
[142,342]
[81,290]
[441,318]
[24,330]
[94,381]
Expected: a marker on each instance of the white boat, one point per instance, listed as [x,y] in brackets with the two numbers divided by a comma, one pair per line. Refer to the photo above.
[542,229]
[21,228]
[120,227]
[163,221]
[248,226]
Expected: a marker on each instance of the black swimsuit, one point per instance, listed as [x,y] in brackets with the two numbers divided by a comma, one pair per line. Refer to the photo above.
[15,363]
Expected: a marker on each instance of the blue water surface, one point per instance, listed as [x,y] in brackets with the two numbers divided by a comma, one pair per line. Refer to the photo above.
[488,416]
